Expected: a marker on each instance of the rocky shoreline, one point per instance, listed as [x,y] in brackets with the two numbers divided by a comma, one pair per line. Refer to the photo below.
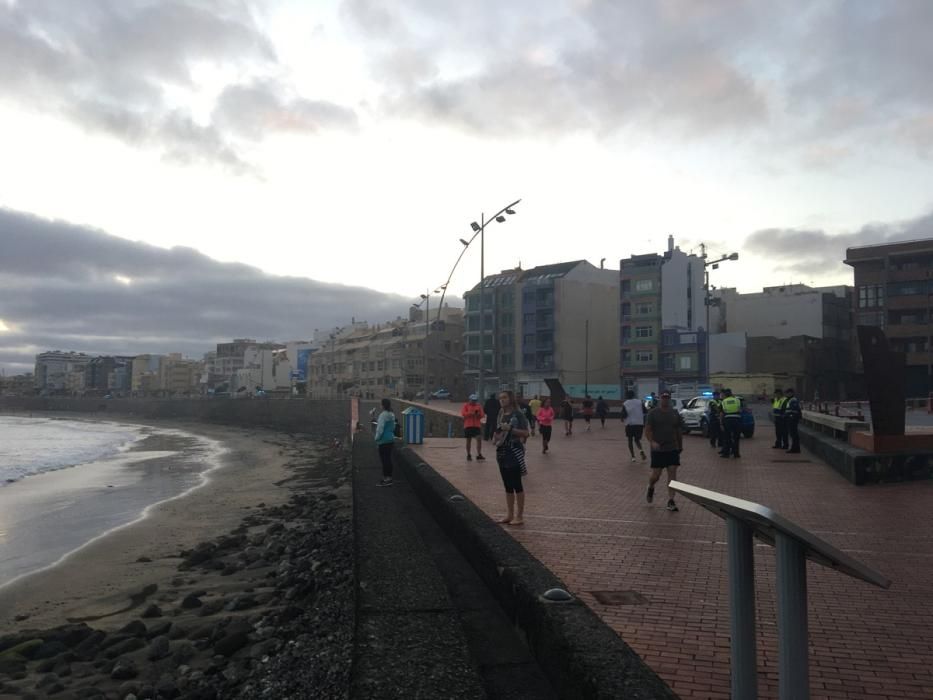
[264,611]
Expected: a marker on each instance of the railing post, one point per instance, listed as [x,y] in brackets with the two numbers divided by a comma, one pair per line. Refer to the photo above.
[742,609]
[793,642]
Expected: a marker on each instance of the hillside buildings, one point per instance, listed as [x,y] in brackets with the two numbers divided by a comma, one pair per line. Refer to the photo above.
[894,291]
[549,322]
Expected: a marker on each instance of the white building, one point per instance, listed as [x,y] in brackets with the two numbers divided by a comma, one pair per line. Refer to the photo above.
[787,311]
[53,369]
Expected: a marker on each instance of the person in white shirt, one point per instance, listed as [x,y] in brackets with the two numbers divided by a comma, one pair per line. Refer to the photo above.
[633,413]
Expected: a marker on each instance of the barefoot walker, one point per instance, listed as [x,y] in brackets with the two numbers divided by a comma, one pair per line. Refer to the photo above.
[511,429]
[664,429]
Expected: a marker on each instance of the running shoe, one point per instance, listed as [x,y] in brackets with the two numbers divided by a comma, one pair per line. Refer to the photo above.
[480,458]
[650,495]
[643,458]
[634,460]
[386,482]
[671,506]
[470,458]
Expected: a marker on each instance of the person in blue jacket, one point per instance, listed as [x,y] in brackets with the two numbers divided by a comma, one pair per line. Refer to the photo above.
[385,439]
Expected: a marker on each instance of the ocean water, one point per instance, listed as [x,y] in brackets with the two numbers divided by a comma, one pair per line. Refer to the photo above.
[30,446]
[67,483]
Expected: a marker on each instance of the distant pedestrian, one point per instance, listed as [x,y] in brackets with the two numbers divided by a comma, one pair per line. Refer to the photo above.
[633,413]
[534,405]
[473,415]
[526,411]
[731,423]
[778,406]
[545,422]
[602,410]
[587,411]
[714,422]
[651,401]
[491,409]
[664,429]
[511,430]
[385,439]
[792,419]
[566,414]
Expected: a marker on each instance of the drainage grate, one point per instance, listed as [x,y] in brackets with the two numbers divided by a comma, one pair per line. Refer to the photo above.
[792,461]
[620,597]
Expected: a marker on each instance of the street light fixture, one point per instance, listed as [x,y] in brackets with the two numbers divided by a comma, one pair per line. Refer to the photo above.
[715,265]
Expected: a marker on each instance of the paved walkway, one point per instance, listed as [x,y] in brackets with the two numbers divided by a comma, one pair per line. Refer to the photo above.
[587,520]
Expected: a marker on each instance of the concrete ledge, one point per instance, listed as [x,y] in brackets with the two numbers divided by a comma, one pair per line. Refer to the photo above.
[582,656]
[863,467]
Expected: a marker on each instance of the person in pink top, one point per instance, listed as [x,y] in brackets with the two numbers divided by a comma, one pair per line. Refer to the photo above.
[545,422]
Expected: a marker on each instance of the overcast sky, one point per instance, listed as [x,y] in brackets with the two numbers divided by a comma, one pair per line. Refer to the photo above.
[352,142]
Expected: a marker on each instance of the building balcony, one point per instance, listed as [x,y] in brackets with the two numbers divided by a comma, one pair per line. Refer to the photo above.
[639,342]
[919,358]
[907,330]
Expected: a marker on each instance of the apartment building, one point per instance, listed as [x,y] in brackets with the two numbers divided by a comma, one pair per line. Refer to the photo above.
[894,291]
[402,358]
[662,319]
[798,331]
[550,322]
[54,370]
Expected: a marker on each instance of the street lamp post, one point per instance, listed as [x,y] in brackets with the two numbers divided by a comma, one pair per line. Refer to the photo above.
[715,265]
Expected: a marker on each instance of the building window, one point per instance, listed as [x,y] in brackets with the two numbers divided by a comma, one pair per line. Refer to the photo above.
[644,332]
[644,285]
[668,361]
[644,356]
[626,286]
[644,309]
[870,296]
[688,339]
[685,362]
[626,334]
[626,356]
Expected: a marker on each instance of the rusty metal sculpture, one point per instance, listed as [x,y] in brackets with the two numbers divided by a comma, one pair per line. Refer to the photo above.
[884,377]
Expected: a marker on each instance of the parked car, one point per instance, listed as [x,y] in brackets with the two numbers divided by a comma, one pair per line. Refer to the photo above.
[696,416]
[440,394]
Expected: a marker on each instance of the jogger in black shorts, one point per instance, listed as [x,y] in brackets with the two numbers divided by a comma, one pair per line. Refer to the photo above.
[664,430]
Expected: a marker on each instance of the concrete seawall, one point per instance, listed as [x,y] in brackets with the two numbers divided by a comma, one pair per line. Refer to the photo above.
[322,418]
[581,655]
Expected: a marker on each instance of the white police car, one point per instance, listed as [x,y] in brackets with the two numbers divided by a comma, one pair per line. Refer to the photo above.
[696,416]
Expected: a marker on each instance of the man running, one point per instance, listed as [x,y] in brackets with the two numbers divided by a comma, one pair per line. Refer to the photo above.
[587,411]
[633,413]
[664,429]
[535,406]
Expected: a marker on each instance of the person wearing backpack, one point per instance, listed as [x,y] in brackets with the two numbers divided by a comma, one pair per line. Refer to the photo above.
[386,432]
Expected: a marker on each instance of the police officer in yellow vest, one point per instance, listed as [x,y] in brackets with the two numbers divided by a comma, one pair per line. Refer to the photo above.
[778,404]
[714,428]
[731,423]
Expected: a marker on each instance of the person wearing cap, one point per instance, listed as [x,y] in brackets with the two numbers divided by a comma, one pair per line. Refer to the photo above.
[731,423]
[664,430]
[473,415]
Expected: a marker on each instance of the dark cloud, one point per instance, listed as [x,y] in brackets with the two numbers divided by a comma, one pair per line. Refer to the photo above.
[813,76]
[815,251]
[107,67]
[60,288]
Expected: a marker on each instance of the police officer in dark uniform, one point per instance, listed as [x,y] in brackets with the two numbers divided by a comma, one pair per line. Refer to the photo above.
[731,424]
[791,419]
[714,428]
[778,405]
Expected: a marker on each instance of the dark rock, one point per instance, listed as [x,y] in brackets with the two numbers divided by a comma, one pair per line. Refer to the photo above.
[47,679]
[264,648]
[134,629]
[54,688]
[289,613]
[178,632]
[146,691]
[48,649]
[125,647]
[211,607]
[123,670]
[90,644]
[231,643]
[274,528]
[91,691]
[144,560]
[158,649]
[166,688]
[128,688]
[152,611]
[243,602]
[229,569]
[46,665]
[24,646]
[159,629]
[183,652]
[191,601]
[62,668]
[21,617]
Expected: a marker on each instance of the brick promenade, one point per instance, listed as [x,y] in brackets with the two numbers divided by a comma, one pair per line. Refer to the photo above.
[587,520]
